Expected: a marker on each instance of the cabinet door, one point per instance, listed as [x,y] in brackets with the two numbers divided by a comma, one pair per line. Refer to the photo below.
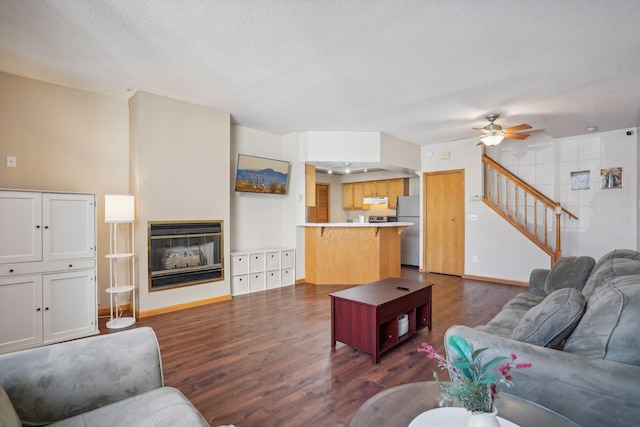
[256,262]
[69,226]
[20,312]
[239,264]
[20,226]
[347,196]
[397,187]
[286,277]
[273,279]
[358,195]
[70,305]
[273,260]
[256,282]
[239,284]
[288,258]
[381,188]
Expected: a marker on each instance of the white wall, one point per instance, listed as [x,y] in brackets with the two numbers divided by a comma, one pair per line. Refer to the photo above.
[65,140]
[607,217]
[180,171]
[261,220]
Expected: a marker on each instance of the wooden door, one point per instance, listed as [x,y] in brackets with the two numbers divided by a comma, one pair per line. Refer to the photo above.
[320,212]
[444,222]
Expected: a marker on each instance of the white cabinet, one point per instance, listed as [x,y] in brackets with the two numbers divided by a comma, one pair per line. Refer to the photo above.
[47,268]
[260,269]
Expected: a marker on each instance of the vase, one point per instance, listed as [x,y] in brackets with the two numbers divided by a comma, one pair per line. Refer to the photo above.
[484,419]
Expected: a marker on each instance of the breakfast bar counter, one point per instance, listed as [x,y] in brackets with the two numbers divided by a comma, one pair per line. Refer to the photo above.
[352,253]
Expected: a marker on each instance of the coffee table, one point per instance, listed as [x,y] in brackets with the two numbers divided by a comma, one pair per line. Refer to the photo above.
[398,406]
[370,317]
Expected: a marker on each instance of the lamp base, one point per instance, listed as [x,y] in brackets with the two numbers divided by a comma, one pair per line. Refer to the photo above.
[121,322]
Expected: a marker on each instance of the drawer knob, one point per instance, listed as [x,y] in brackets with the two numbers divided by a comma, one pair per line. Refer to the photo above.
[11,271]
[70,265]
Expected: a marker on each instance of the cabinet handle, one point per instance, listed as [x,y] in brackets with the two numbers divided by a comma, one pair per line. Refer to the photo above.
[70,265]
[11,271]
[38,309]
[46,227]
[46,309]
[37,226]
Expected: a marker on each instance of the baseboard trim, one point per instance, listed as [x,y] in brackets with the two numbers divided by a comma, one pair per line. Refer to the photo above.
[299,281]
[493,279]
[178,307]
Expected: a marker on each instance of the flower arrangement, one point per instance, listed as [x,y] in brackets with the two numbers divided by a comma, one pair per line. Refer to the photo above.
[472,383]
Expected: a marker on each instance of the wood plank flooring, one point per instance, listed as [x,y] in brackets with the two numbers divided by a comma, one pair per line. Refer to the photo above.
[264,359]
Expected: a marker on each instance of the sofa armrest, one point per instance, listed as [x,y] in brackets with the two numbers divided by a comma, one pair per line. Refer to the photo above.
[536,281]
[54,382]
[588,391]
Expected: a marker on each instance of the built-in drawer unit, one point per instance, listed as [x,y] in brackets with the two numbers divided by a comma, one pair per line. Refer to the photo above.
[261,269]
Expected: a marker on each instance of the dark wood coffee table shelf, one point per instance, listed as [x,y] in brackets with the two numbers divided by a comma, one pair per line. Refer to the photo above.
[366,316]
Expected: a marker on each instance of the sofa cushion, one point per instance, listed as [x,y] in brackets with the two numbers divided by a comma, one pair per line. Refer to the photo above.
[165,406]
[8,416]
[569,272]
[610,268]
[503,323]
[608,329]
[551,321]
[524,301]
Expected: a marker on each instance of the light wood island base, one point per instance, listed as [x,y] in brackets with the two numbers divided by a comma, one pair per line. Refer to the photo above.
[352,254]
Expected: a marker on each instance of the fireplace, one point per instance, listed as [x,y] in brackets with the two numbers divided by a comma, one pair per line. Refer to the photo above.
[184,253]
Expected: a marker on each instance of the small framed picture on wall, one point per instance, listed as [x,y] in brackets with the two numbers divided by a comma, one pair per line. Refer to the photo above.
[580,180]
[610,178]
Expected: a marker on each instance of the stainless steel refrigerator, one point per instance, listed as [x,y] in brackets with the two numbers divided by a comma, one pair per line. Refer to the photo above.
[408,210]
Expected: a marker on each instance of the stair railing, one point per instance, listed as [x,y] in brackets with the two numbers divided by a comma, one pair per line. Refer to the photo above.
[527,209]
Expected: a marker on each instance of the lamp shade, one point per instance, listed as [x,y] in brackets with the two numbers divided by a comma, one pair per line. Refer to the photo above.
[118,208]
[493,139]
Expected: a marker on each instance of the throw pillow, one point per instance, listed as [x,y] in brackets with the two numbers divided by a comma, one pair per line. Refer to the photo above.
[8,416]
[610,269]
[551,321]
[569,272]
[608,329]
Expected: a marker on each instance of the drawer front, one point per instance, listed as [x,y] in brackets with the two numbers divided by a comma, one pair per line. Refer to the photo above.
[256,262]
[273,260]
[239,285]
[256,282]
[273,279]
[287,277]
[288,258]
[239,264]
[46,267]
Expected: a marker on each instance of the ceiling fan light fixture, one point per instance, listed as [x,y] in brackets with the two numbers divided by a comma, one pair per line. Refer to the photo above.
[492,139]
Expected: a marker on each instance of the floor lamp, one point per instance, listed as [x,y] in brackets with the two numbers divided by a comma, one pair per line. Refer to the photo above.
[119,209]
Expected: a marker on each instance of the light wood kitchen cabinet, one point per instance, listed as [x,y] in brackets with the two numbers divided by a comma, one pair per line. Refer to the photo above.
[396,188]
[310,185]
[352,195]
[375,188]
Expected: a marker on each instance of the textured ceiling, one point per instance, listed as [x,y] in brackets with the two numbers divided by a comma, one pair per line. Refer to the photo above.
[424,71]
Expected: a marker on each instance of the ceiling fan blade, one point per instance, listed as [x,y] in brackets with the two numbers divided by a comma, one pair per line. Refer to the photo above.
[517,128]
[516,135]
[480,129]
[479,143]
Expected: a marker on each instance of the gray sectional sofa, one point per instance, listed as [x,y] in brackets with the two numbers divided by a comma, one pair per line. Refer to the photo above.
[579,325]
[109,380]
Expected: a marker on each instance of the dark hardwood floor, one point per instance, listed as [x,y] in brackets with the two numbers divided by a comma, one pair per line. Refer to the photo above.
[264,359]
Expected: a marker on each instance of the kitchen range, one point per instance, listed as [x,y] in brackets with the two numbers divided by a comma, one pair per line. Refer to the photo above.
[379,219]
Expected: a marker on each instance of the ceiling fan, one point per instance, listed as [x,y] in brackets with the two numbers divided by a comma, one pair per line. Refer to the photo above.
[493,134]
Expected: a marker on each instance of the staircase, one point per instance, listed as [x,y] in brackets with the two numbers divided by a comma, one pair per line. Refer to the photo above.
[529,211]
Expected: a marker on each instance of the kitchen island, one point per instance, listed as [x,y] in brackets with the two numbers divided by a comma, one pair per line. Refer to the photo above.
[352,253]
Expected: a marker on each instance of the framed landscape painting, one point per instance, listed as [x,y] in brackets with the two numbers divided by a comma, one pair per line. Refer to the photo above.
[261,175]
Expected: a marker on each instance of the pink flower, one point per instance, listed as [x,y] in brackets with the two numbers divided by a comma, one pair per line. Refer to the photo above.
[513,357]
[523,365]
[426,348]
[504,369]
[508,377]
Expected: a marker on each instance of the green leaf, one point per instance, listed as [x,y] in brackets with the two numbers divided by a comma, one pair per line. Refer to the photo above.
[494,362]
[461,347]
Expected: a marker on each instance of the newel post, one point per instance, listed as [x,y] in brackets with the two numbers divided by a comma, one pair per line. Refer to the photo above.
[558,253]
